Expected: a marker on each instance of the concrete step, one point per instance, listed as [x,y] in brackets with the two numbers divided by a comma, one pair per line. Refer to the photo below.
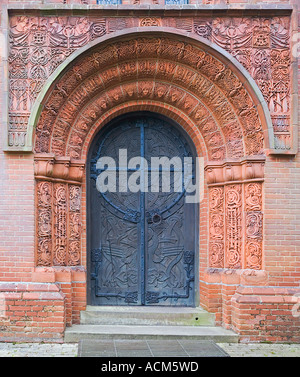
[146,315]
[98,332]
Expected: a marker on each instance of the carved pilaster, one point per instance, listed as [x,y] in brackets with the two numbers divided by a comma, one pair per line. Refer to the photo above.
[58,203]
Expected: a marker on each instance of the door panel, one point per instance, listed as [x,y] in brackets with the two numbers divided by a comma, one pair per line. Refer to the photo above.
[142,243]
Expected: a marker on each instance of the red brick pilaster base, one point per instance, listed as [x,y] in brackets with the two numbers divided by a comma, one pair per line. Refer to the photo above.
[31,312]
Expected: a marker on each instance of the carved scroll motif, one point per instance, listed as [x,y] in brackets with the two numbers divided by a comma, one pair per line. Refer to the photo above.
[216,227]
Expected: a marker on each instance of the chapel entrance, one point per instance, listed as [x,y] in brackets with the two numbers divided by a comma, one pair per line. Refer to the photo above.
[142,238]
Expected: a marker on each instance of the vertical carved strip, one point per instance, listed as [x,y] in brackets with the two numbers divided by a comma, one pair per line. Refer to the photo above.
[44,231]
[254,225]
[233,214]
[216,227]
[60,224]
[74,225]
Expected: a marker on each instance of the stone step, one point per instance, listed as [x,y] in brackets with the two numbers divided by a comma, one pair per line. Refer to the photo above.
[98,332]
[145,315]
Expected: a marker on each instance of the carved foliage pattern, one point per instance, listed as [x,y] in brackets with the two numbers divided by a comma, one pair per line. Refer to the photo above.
[74,225]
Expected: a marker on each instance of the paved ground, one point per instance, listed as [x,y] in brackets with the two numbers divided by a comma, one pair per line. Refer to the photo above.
[149,348]
[73,350]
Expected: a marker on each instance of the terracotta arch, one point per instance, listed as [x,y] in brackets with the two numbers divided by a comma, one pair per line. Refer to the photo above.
[236,83]
[190,80]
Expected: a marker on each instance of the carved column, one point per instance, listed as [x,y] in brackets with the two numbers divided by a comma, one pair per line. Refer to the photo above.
[58,210]
[235,214]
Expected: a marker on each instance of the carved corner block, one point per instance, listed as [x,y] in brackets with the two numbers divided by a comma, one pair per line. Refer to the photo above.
[246,169]
[54,168]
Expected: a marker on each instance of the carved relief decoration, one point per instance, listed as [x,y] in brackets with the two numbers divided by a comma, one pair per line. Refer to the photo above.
[38,45]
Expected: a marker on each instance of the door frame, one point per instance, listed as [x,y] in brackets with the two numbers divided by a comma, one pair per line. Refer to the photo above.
[102,131]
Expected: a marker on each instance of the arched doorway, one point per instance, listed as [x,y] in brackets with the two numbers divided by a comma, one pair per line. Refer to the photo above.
[189,82]
[142,239]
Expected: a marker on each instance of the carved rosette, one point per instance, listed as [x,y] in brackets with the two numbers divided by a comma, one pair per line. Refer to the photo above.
[235,214]
[58,193]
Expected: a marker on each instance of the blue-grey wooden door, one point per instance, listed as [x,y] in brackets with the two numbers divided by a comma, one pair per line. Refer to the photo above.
[142,242]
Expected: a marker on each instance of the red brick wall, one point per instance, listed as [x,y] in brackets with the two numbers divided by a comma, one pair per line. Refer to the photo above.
[16,217]
[266,314]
